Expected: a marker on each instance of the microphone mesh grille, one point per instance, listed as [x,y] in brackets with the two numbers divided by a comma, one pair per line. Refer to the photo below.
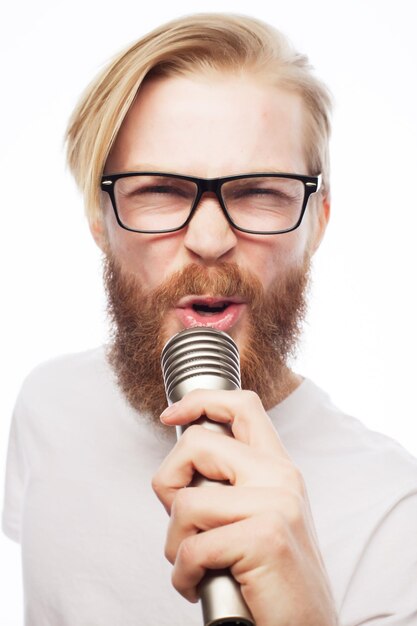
[200,351]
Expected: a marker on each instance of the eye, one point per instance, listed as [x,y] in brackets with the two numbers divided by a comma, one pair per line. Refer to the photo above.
[266,191]
[164,189]
[257,191]
[273,195]
[154,186]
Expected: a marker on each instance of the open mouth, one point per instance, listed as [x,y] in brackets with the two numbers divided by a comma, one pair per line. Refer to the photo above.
[210,309]
[218,313]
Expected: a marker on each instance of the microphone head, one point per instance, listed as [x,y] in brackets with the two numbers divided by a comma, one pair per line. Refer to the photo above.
[199,358]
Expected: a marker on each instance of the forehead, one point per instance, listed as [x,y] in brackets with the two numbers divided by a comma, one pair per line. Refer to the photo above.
[212,126]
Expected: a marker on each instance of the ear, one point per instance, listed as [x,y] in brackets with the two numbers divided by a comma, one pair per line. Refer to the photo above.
[99,232]
[321,219]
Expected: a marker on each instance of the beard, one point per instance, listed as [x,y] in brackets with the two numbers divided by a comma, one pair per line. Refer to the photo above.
[273,326]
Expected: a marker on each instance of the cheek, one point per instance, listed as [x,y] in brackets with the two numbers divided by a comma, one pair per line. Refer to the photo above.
[152,258]
[278,255]
[156,258]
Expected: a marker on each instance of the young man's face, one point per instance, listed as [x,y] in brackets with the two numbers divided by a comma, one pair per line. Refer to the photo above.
[156,284]
[211,128]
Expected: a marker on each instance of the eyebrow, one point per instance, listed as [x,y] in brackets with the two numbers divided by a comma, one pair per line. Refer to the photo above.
[151,167]
[147,167]
[144,167]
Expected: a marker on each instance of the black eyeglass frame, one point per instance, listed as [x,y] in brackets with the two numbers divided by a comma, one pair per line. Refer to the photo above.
[312,184]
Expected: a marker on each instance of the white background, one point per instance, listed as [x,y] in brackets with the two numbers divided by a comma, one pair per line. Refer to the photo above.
[360,338]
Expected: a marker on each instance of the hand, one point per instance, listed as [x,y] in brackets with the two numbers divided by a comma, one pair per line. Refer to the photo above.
[260,527]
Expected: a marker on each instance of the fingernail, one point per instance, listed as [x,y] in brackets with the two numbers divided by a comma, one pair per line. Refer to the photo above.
[170,410]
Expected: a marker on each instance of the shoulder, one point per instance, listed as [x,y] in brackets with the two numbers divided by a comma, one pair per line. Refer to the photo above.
[341,450]
[66,363]
[66,378]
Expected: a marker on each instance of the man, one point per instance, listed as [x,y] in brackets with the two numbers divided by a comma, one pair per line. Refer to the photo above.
[202,152]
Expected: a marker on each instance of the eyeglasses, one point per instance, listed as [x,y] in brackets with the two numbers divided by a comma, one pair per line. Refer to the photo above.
[260,204]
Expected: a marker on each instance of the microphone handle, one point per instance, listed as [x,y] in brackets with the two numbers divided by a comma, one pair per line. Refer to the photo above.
[221,598]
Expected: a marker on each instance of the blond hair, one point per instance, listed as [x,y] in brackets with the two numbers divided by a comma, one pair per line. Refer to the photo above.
[191,44]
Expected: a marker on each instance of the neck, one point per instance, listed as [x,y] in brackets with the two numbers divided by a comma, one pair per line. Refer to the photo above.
[289,381]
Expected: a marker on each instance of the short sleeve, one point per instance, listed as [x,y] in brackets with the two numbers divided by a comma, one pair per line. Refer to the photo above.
[16,476]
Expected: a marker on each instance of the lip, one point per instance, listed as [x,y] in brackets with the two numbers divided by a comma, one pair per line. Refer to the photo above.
[224,320]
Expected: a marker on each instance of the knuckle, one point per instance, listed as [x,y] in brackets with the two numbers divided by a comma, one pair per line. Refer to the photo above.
[215,555]
[280,547]
[294,511]
[293,477]
[157,483]
[169,553]
[251,398]
[297,480]
[182,504]
[272,532]
[179,583]
[191,435]
[175,580]
[186,553]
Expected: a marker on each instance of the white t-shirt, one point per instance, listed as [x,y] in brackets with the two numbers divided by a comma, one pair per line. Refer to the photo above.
[79,499]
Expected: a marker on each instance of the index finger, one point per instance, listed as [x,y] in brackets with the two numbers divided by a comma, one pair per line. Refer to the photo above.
[243,410]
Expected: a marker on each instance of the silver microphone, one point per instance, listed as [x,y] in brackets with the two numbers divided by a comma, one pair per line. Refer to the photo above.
[205,358]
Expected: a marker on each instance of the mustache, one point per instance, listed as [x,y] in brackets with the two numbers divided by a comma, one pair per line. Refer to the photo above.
[224,280]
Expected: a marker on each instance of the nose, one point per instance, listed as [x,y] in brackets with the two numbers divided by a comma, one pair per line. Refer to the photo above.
[209,235]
